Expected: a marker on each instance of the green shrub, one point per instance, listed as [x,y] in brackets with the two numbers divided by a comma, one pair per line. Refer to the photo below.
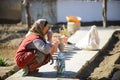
[3,62]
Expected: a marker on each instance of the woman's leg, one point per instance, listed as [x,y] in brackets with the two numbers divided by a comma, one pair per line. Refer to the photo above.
[37,62]
[22,59]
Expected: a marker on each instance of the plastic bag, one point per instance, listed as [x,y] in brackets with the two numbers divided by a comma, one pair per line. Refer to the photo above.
[90,41]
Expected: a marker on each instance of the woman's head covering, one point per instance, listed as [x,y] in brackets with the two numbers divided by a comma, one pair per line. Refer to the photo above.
[38,27]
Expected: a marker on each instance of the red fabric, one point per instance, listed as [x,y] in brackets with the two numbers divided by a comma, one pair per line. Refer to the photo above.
[25,56]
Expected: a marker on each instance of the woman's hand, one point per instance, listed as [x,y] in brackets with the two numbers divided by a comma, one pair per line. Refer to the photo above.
[49,36]
[51,58]
[48,58]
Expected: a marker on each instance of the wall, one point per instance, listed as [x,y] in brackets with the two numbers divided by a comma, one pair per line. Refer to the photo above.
[10,9]
[57,10]
[42,9]
[88,11]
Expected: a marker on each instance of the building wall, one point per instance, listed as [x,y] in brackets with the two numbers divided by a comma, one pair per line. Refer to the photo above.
[113,12]
[10,9]
[41,9]
[88,11]
[57,10]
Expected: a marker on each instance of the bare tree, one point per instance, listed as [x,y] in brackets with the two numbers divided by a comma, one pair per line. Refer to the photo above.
[27,12]
[104,13]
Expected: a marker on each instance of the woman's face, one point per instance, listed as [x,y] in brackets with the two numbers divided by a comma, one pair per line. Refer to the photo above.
[46,28]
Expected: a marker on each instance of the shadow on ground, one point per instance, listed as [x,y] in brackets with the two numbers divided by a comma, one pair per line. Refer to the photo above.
[52,74]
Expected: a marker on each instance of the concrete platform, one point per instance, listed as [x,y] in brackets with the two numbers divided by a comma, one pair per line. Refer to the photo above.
[75,59]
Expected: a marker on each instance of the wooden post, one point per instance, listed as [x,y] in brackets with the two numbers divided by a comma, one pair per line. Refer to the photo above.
[104,13]
[27,13]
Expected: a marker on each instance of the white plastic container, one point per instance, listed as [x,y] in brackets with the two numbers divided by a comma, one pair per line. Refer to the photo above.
[73,24]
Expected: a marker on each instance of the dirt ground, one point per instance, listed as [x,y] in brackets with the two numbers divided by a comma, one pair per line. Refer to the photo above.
[12,35]
[10,38]
[105,64]
[109,60]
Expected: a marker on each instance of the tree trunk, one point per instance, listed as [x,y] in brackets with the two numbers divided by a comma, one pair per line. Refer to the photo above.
[28,17]
[104,15]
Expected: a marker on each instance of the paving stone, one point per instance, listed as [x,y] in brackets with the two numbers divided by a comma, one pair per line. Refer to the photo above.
[75,59]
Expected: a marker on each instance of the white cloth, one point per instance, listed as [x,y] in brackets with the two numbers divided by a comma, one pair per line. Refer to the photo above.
[90,41]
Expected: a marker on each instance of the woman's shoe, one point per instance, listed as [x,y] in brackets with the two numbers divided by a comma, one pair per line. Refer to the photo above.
[26,71]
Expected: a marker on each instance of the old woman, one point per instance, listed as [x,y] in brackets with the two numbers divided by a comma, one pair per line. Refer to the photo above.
[34,51]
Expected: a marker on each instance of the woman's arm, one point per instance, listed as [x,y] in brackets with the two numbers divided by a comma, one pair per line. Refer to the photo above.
[40,45]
